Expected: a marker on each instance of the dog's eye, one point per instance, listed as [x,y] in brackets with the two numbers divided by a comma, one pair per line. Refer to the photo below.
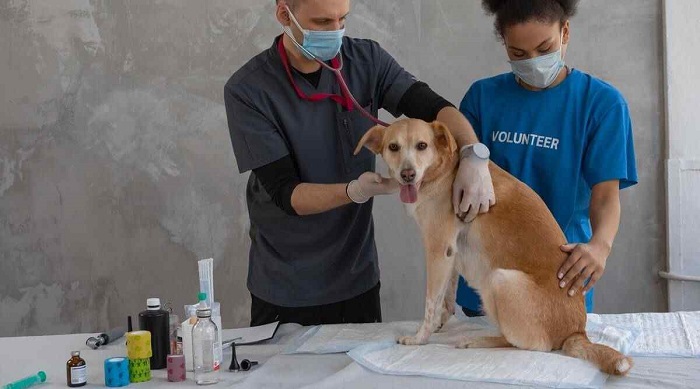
[394,147]
[422,146]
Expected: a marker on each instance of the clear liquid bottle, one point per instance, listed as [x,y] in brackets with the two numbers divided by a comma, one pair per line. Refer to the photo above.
[205,336]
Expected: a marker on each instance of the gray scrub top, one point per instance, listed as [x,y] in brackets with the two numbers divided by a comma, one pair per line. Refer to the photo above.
[297,261]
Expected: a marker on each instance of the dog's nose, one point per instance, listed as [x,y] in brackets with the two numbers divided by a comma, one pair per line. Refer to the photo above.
[408,175]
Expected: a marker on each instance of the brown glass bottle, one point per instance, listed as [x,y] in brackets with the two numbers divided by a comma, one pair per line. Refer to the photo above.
[76,370]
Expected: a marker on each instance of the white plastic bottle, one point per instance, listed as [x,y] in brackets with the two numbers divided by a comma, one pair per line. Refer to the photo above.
[205,336]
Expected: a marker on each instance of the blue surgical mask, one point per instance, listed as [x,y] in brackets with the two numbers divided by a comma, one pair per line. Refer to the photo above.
[323,45]
[541,71]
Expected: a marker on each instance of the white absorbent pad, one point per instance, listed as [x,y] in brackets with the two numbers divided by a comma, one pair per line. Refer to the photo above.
[339,338]
[674,334]
[504,365]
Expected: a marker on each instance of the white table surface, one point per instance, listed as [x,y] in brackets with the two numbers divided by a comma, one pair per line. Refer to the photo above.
[24,356]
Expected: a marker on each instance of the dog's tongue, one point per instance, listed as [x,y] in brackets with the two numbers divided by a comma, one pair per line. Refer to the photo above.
[409,193]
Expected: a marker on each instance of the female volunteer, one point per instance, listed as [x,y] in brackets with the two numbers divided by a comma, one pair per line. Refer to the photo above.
[565,133]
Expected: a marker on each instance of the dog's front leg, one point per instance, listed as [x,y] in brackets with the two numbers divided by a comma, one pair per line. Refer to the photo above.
[450,296]
[439,268]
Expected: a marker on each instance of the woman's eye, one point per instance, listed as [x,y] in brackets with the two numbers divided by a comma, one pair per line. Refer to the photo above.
[422,146]
[394,147]
[545,51]
[518,55]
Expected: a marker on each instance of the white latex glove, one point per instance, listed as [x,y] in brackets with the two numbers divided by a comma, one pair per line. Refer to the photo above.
[371,184]
[472,191]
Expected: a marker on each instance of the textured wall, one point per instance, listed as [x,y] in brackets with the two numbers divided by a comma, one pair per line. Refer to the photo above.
[117,174]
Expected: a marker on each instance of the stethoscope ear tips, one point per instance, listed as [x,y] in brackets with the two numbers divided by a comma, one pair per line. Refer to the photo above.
[245,364]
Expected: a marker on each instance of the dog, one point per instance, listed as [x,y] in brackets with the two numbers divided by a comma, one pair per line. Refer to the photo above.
[510,254]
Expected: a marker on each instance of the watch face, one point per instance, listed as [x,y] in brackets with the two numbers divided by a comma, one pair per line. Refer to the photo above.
[481,151]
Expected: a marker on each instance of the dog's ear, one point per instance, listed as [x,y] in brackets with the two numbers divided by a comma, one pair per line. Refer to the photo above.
[372,140]
[443,137]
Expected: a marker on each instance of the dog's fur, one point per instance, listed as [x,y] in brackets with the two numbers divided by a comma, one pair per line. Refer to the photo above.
[510,254]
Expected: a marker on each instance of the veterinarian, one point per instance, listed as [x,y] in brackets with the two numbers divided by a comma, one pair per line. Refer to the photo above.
[313,258]
[565,133]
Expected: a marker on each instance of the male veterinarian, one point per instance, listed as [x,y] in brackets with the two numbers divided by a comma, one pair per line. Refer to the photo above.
[313,258]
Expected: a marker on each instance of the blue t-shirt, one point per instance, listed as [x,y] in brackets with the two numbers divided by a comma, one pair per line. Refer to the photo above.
[560,142]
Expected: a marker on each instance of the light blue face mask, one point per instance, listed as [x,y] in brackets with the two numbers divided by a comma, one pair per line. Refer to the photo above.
[322,45]
[541,71]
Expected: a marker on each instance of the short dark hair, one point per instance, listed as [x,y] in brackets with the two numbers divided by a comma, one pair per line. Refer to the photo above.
[512,12]
[289,2]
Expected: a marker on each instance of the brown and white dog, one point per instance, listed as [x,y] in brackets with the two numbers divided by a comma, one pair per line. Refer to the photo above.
[510,254]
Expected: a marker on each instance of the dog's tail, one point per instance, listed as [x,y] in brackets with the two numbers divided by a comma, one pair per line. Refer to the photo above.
[607,359]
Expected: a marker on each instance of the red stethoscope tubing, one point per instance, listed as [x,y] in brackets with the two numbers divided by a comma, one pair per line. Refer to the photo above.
[347,100]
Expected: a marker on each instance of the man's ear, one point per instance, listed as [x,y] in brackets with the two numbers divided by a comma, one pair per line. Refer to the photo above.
[372,140]
[443,137]
[282,14]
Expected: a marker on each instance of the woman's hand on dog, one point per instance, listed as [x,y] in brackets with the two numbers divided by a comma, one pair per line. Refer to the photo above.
[586,260]
[472,190]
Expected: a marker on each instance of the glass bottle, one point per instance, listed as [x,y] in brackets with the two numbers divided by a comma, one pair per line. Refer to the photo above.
[205,336]
[76,370]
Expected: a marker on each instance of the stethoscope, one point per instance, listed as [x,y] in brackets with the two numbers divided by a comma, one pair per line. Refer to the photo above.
[348,101]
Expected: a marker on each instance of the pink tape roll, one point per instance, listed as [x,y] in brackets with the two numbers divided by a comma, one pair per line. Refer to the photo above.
[176,368]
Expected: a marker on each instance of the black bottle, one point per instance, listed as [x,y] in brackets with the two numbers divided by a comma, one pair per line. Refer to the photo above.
[157,321]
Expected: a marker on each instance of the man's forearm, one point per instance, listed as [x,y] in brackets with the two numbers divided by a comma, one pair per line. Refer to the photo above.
[310,199]
[458,125]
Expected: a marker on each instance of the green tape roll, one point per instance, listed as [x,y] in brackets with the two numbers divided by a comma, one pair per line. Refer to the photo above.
[139,370]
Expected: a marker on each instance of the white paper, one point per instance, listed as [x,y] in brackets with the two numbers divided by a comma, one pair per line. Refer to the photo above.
[339,338]
[250,335]
[672,334]
[497,365]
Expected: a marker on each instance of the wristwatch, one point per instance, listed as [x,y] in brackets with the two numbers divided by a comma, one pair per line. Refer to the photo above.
[478,150]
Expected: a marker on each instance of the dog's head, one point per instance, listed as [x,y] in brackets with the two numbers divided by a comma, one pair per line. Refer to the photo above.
[415,151]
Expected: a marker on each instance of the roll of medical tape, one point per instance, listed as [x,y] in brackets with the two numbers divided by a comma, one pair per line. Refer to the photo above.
[138,345]
[116,372]
[176,368]
[139,370]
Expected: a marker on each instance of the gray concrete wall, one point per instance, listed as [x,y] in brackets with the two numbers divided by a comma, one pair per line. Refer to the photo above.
[117,173]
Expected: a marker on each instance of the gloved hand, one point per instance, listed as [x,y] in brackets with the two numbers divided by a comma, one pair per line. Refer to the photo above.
[472,190]
[370,184]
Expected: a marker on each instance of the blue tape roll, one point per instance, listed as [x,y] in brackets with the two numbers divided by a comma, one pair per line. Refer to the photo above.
[116,372]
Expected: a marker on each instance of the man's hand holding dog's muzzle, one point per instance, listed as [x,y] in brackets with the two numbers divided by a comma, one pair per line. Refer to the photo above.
[370,184]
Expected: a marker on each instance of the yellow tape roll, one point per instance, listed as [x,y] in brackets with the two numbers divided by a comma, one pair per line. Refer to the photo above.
[138,344]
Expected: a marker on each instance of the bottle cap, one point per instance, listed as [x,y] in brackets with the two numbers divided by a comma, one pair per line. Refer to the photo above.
[75,353]
[153,303]
[204,312]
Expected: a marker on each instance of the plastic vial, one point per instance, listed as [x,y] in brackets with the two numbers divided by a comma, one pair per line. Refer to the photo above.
[76,370]
[205,336]
[174,327]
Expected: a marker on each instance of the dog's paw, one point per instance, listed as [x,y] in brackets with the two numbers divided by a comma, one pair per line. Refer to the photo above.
[409,341]
[467,342]
[483,342]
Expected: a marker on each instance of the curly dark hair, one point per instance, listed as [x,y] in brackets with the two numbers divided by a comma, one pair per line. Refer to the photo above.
[511,12]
